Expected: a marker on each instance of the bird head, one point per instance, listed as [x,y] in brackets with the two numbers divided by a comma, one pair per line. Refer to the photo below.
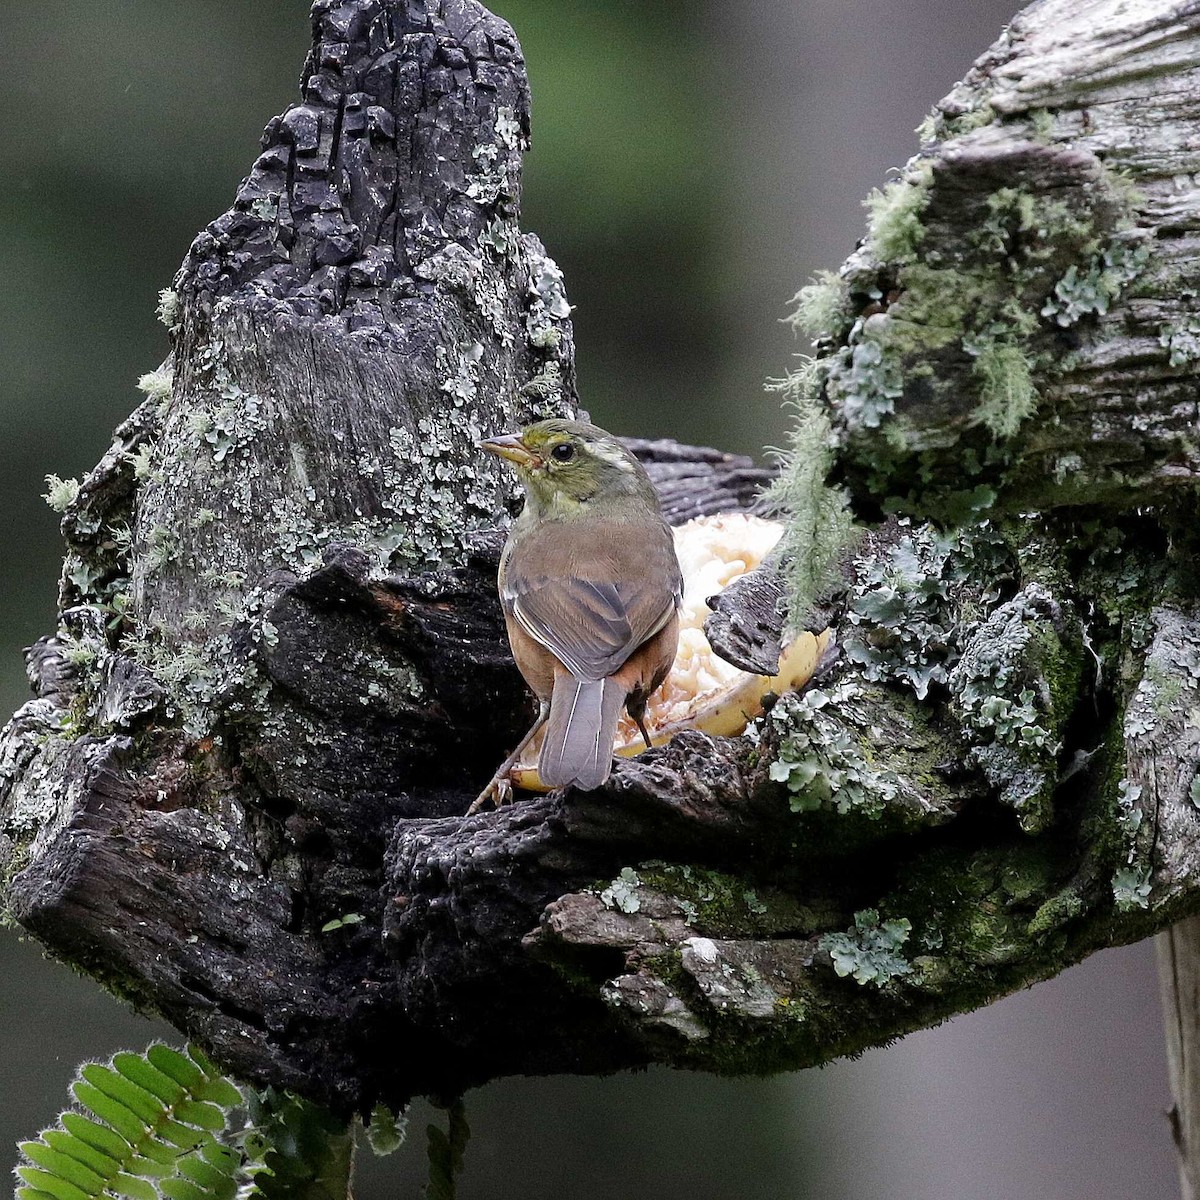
[569,466]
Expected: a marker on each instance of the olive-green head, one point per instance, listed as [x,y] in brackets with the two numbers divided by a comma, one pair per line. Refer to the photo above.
[570,466]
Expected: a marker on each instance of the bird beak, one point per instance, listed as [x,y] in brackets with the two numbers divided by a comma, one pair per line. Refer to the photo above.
[510,446]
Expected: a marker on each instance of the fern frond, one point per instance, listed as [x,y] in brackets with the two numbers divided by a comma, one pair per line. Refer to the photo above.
[146,1128]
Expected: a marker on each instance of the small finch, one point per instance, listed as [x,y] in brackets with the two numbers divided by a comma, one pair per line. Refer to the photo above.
[591,589]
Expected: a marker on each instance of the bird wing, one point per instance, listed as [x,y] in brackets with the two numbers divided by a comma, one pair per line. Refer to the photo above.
[593,604]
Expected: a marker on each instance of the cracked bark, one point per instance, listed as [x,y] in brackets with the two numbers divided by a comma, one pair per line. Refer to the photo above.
[281,675]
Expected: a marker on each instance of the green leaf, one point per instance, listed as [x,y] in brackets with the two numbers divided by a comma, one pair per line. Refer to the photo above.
[32,1193]
[202,1060]
[183,1189]
[152,1166]
[182,1136]
[69,1169]
[65,1143]
[219,1091]
[134,1188]
[158,1149]
[201,1114]
[129,1125]
[98,1137]
[206,1175]
[387,1131]
[221,1157]
[170,1062]
[140,1102]
[148,1077]
[60,1189]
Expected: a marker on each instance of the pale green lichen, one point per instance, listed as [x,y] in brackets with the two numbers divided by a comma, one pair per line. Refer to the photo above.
[156,384]
[1006,393]
[60,494]
[169,308]
[1129,812]
[821,763]
[818,522]
[622,893]
[821,307]
[867,380]
[142,461]
[1032,265]
[871,951]
[1090,289]
[894,230]
[1009,690]
[1181,341]
[906,612]
[1131,888]
[265,208]
[939,126]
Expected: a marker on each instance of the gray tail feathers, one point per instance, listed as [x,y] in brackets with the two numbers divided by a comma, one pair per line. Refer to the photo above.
[579,736]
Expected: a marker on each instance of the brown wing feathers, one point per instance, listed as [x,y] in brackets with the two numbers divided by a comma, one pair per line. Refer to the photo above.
[595,615]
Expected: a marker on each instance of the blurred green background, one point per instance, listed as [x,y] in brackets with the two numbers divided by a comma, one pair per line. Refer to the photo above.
[692,165]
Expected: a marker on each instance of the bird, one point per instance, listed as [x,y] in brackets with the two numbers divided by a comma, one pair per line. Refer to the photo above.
[590,587]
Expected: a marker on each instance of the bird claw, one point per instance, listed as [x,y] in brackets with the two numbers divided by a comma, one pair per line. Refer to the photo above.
[498,793]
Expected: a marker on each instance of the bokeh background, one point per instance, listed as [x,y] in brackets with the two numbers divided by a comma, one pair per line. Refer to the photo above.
[694,161]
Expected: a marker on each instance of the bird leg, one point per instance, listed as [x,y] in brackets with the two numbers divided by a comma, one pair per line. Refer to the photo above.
[635,706]
[641,724]
[499,790]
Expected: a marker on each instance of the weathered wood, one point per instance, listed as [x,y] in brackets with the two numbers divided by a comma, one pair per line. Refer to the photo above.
[1178,967]
[1022,326]
[280,675]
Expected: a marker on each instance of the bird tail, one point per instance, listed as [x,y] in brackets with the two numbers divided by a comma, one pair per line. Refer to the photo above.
[579,736]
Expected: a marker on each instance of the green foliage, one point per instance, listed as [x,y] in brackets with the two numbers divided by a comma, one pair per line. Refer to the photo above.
[168,1125]
[301,1151]
[446,1154]
[818,523]
[871,950]
[343,922]
[146,1126]
[386,1131]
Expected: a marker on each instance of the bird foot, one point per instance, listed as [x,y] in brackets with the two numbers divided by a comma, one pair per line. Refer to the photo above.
[498,793]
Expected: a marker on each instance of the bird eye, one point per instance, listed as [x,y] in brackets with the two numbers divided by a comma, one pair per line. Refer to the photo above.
[564,452]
